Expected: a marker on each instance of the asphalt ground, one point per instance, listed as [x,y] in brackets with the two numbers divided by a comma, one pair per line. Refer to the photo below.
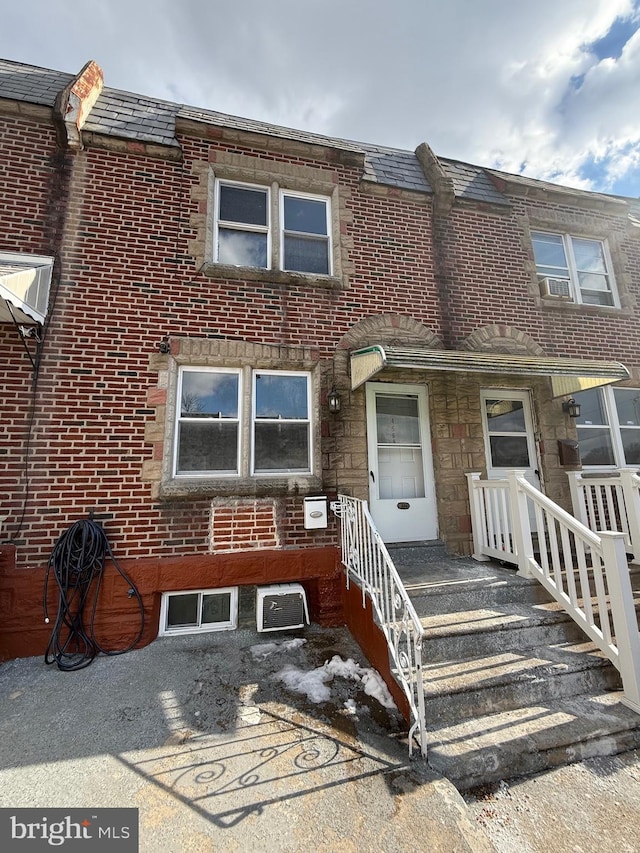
[217,753]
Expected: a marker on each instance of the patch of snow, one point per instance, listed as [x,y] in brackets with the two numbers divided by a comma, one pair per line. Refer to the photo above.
[263,650]
[350,706]
[313,683]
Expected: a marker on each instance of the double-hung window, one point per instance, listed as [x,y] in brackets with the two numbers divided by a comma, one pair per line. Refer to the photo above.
[297,238]
[306,245]
[221,432]
[575,268]
[281,424]
[609,426]
[242,225]
[208,427]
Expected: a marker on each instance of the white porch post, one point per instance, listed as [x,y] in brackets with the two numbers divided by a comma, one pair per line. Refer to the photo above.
[623,611]
[478,519]
[577,496]
[631,493]
[520,524]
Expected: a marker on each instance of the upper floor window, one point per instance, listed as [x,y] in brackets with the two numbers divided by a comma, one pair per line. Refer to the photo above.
[574,268]
[219,433]
[609,426]
[294,238]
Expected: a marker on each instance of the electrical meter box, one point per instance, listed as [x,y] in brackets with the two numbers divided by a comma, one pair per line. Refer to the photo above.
[315,512]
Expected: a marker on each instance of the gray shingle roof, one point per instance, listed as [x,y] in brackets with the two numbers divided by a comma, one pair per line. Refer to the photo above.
[134,117]
[472,182]
[130,116]
[31,84]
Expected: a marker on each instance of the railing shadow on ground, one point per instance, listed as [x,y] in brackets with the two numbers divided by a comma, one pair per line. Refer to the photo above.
[227,781]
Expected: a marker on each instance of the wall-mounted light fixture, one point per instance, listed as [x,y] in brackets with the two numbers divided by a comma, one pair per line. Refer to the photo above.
[333,401]
[571,408]
[164,346]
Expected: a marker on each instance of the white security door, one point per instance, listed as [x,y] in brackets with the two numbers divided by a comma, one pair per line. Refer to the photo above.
[508,434]
[401,490]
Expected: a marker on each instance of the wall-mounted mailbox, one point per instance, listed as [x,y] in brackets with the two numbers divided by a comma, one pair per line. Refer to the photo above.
[569,451]
[315,512]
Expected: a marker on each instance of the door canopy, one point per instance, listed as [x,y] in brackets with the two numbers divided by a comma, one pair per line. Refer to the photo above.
[568,375]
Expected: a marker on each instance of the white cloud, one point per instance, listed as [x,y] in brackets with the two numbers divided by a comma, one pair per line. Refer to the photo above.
[488,82]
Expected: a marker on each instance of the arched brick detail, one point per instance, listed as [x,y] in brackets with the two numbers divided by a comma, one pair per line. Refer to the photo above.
[390,329]
[503,339]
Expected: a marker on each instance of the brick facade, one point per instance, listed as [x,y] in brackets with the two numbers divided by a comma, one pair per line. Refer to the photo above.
[129,226]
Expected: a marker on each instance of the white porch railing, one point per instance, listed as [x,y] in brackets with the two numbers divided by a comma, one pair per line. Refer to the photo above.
[609,502]
[586,572]
[367,561]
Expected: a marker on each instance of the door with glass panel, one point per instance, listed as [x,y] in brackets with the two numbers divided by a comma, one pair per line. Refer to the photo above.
[508,434]
[401,488]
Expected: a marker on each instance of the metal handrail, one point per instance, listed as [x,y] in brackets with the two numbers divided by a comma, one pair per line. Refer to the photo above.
[367,561]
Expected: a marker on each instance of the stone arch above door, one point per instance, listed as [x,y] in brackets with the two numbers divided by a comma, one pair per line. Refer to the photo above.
[503,339]
[389,329]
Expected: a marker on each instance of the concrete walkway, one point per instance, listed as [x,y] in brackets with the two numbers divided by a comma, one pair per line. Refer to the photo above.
[216,753]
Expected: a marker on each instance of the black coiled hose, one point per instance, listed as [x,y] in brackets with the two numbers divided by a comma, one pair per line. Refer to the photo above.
[77,565]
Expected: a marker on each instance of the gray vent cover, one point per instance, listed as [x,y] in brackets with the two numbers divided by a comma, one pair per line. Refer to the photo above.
[281,606]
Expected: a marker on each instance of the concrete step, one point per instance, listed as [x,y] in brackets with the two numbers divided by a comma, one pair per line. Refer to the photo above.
[491,630]
[460,595]
[457,690]
[532,739]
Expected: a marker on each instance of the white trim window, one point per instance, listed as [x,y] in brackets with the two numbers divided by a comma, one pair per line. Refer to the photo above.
[215,421]
[242,225]
[575,268]
[609,427]
[198,611]
[208,422]
[298,240]
[281,422]
[305,234]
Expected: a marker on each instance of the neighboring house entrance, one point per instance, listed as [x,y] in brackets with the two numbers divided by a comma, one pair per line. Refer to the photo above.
[401,487]
[508,434]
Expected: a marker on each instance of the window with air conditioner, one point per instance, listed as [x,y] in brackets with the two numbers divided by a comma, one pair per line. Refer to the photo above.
[573,268]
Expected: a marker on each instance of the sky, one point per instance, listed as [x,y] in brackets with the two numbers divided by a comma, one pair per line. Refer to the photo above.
[546,88]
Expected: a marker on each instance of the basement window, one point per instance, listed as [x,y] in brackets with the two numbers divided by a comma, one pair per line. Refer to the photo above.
[199,611]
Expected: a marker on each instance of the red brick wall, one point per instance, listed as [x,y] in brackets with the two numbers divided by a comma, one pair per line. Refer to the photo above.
[123,224]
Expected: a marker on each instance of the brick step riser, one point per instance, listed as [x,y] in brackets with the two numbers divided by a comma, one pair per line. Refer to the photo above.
[474,644]
[482,768]
[451,708]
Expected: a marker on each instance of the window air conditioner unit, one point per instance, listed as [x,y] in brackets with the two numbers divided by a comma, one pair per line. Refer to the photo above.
[281,606]
[560,288]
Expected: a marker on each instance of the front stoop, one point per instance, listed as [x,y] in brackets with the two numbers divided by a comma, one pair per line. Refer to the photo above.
[512,686]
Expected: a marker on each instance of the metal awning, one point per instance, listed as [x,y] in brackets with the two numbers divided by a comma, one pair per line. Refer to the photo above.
[568,375]
[24,287]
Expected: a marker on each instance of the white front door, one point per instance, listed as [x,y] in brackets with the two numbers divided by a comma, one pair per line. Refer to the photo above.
[401,488]
[508,433]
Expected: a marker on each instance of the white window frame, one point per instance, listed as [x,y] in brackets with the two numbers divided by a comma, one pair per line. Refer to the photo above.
[308,421]
[246,425]
[572,269]
[242,226]
[325,238]
[166,631]
[275,236]
[185,419]
[614,428]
